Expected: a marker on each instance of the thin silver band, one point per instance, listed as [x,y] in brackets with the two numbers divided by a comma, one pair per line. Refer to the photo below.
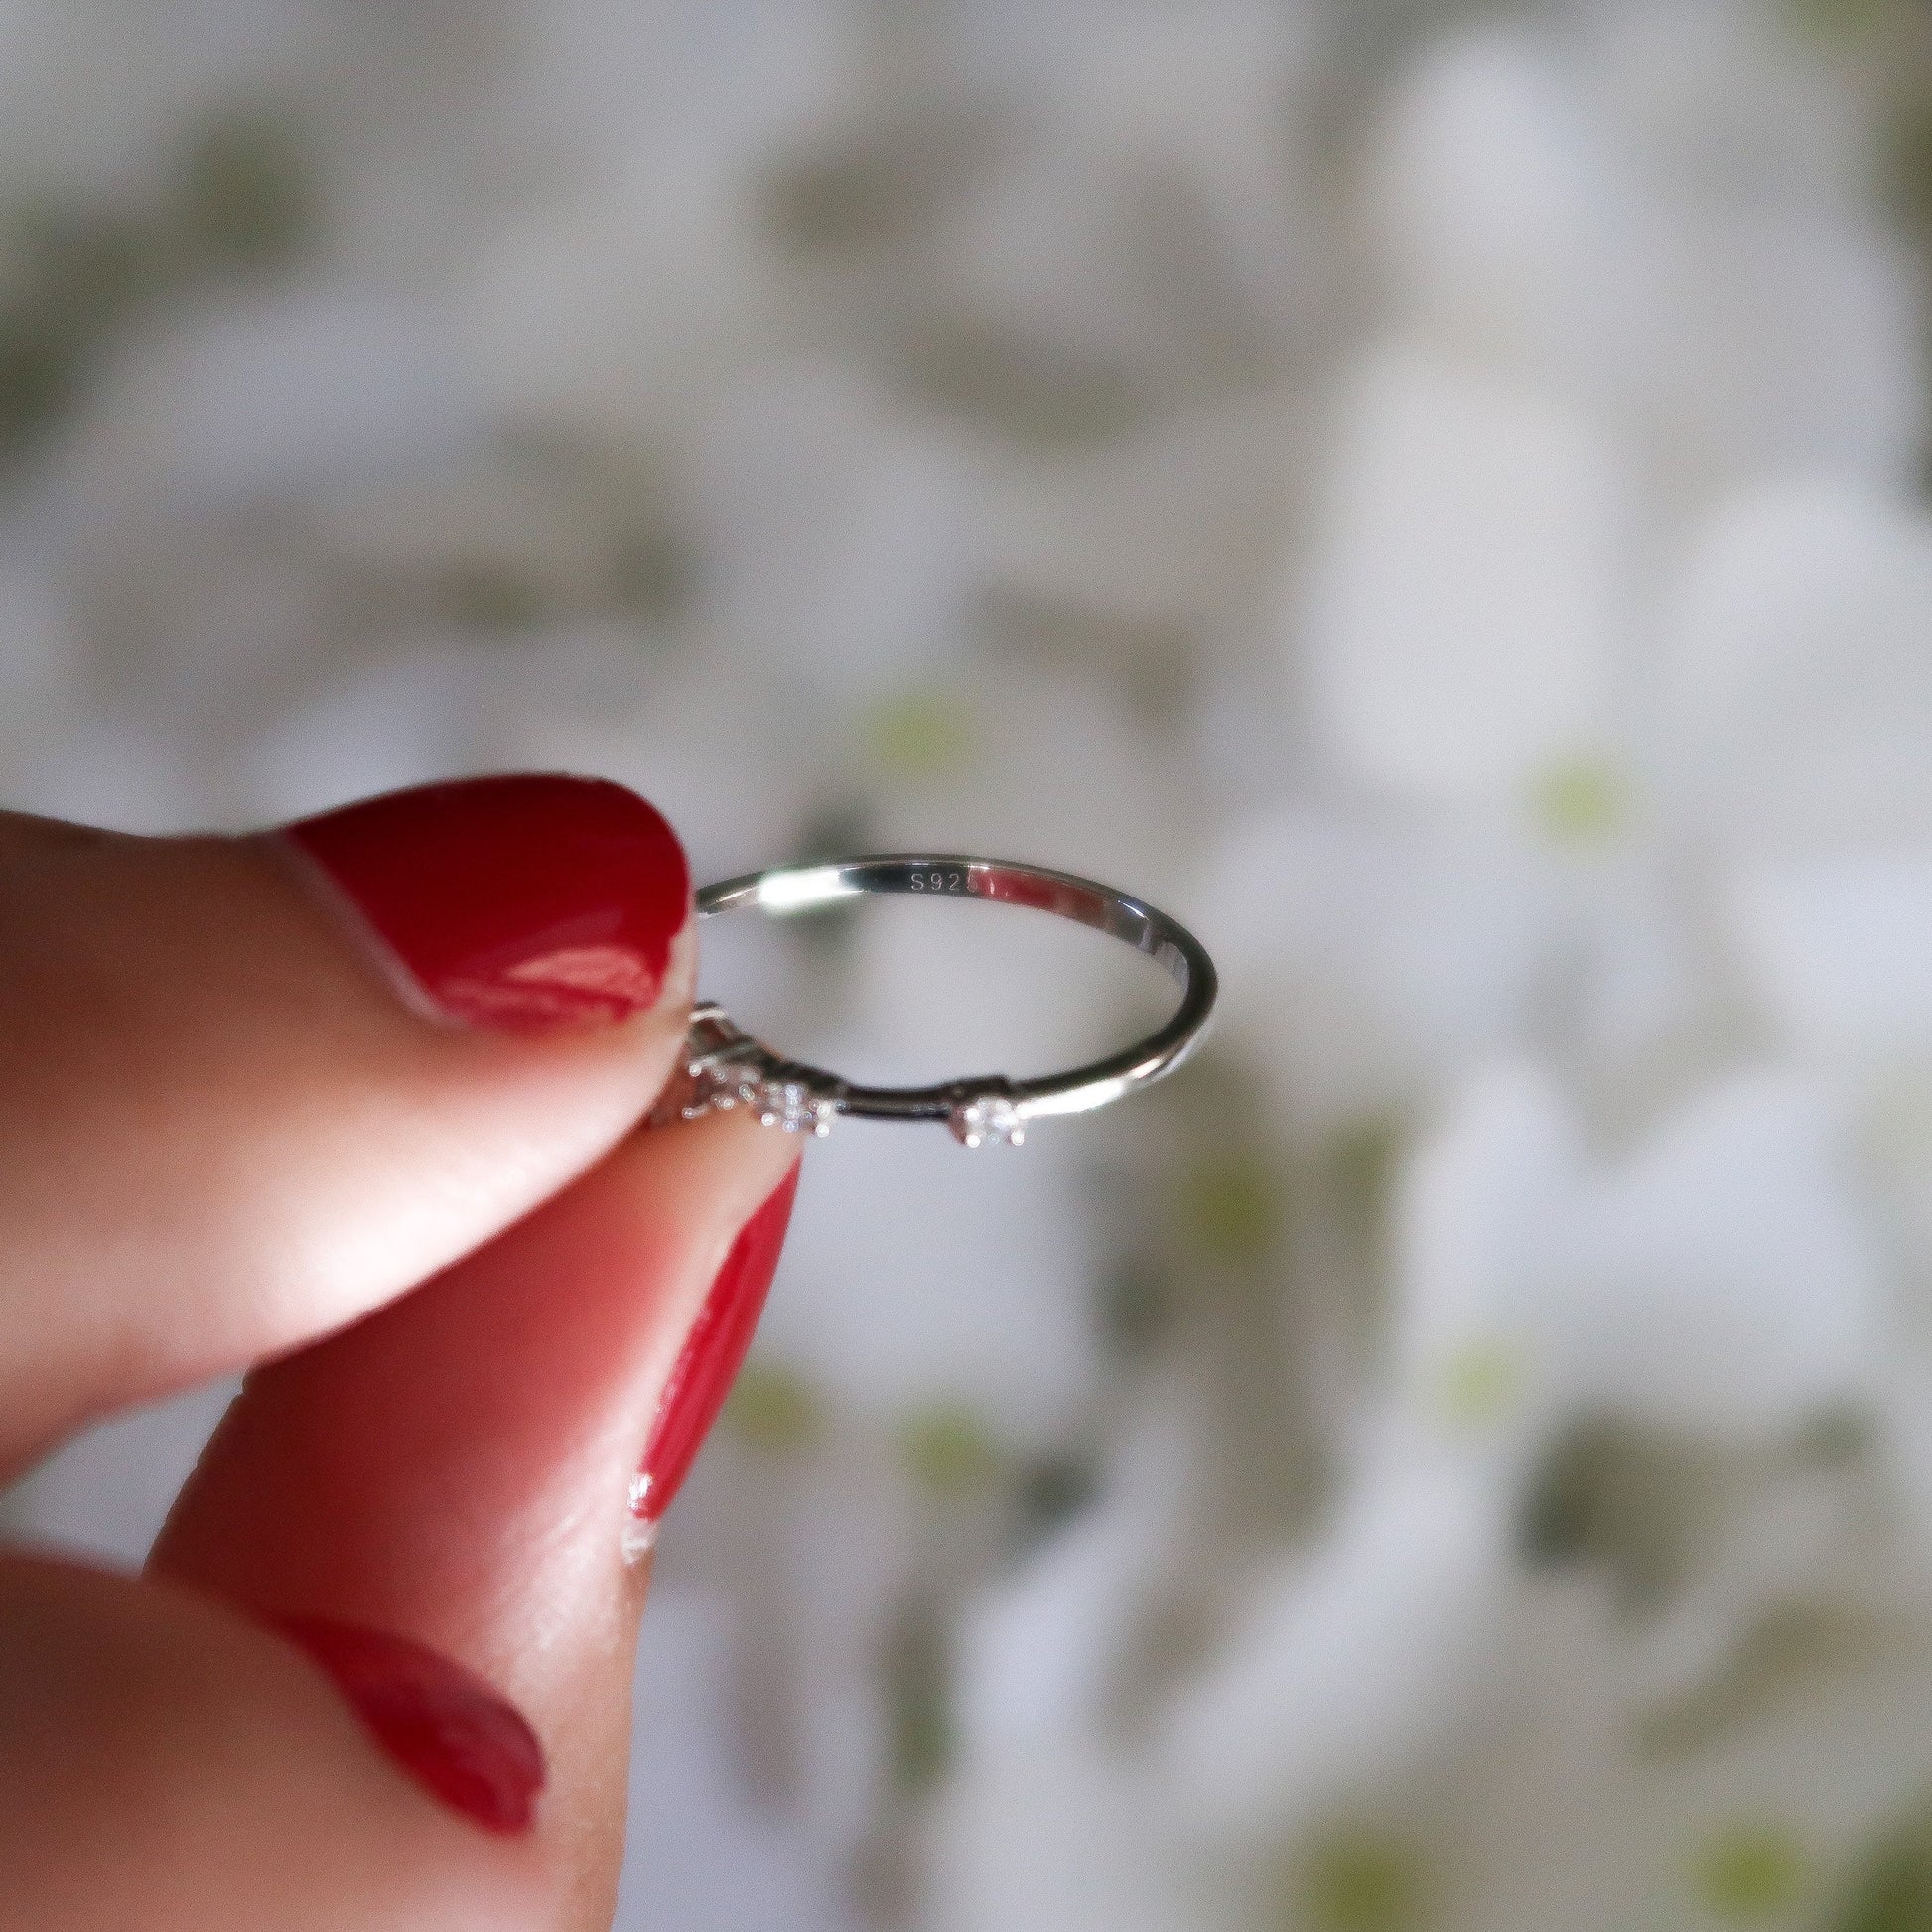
[726,1067]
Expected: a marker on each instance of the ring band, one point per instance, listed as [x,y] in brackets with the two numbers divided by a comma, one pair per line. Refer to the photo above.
[726,1067]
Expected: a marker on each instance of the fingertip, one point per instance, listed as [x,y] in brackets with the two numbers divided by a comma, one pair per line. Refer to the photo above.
[522,902]
[227,1134]
[453,1733]
[171,1765]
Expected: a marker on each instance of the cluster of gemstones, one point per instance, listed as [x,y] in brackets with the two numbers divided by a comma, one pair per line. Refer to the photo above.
[725,1068]
[781,1096]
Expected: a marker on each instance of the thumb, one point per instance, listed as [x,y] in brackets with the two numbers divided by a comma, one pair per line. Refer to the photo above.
[250,1090]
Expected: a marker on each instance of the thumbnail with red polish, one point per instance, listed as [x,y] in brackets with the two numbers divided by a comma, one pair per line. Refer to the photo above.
[523,902]
[712,1354]
[440,1724]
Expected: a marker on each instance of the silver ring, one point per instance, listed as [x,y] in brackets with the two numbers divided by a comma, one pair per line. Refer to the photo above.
[726,1067]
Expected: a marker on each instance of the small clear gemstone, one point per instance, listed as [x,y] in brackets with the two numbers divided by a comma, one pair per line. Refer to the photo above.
[792,1105]
[989,1121]
[725,1084]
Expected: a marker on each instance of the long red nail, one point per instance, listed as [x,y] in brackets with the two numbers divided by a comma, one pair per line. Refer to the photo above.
[522,902]
[713,1353]
[442,1724]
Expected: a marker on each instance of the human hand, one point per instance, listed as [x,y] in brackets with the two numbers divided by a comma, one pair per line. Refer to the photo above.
[354,1106]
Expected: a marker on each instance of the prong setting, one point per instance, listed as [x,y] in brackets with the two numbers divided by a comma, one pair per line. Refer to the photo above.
[986,1120]
[727,1068]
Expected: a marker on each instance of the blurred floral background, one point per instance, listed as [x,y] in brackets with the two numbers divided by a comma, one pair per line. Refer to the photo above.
[1436,494]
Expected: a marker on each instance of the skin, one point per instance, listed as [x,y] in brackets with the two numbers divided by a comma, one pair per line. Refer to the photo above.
[226,1139]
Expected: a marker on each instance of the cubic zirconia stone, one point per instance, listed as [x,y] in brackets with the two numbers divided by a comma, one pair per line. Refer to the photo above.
[792,1105]
[990,1121]
[725,1083]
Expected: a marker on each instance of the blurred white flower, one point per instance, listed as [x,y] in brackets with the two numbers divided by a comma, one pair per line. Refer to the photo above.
[1572,202]
[1363,963]
[411,718]
[901,1289]
[635,280]
[1161,531]
[1152,223]
[1349,1664]
[1840,949]
[1782,323]
[1794,696]
[692,1814]
[1069,1838]
[263,395]
[1505,209]
[1469,594]
[1476,645]
[838,538]
[1837,949]
[711,749]
[1042,1652]
[1464,644]
[1716,1281]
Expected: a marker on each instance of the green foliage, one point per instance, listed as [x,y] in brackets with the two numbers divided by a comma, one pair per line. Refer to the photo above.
[1479,1383]
[918,1704]
[492,598]
[1618,1498]
[949,1452]
[1891,1888]
[920,733]
[87,270]
[1230,1208]
[835,201]
[1135,1297]
[1908,142]
[243,198]
[1362,1165]
[1581,802]
[248,195]
[1051,1492]
[1841,19]
[653,573]
[74,275]
[1748,1871]
[1039,393]
[41,368]
[774,1410]
[1358,1878]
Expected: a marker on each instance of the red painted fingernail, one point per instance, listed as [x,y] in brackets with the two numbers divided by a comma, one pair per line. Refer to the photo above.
[522,902]
[713,1353]
[442,1724]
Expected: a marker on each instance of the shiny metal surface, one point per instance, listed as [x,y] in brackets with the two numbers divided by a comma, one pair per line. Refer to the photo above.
[727,1067]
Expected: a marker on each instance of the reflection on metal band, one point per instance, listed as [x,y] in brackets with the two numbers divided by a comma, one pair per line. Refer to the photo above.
[726,1067]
